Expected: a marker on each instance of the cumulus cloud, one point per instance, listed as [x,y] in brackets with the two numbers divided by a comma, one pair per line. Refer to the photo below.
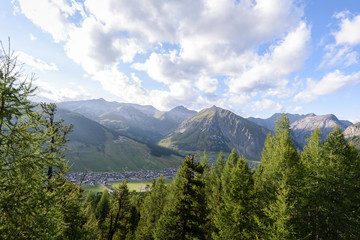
[207,84]
[271,70]
[239,99]
[50,16]
[267,104]
[330,83]
[185,45]
[56,94]
[341,52]
[349,31]
[298,108]
[35,62]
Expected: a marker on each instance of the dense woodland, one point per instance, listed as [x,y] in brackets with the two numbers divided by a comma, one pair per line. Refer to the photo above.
[312,194]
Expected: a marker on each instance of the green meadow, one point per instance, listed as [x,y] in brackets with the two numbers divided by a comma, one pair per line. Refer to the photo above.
[133,185]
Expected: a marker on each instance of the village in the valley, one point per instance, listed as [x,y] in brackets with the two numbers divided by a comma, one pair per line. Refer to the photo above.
[103,178]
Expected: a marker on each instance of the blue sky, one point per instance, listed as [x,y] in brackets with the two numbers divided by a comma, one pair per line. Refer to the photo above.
[254,57]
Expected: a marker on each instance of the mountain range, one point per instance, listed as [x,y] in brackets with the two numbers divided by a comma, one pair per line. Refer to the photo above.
[112,136]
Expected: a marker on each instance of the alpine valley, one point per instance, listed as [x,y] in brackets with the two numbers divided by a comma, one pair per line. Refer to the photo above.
[112,136]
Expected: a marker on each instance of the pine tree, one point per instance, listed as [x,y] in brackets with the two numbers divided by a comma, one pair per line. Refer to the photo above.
[103,207]
[341,176]
[152,209]
[186,214]
[32,204]
[234,217]
[280,213]
[280,166]
[57,132]
[120,214]
[312,194]
[214,191]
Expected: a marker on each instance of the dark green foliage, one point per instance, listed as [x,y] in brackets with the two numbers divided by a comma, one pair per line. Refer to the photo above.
[103,207]
[151,209]
[234,216]
[341,172]
[186,214]
[119,220]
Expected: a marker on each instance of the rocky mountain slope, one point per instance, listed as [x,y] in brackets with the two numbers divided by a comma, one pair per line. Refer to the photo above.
[216,129]
[302,128]
[352,133]
[303,125]
[269,123]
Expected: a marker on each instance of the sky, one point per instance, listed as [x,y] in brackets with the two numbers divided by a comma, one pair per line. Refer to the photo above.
[253,57]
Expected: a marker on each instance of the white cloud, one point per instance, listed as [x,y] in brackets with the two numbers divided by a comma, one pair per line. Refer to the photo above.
[330,83]
[271,70]
[349,31]
[35,62]
[278,92]
[267,104]
[50,16]
[95,47]
[207,84]
[341,51]
[32,37]
[56,94]
[339,55]
[239,99]
[298,108]
[185,44]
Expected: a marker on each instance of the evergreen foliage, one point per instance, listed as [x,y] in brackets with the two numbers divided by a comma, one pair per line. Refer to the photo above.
[186,215]
[278,183]
[234,217]
[151,210]
[36,202]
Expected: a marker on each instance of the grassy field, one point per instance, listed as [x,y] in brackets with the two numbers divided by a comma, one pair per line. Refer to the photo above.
[136,184]
[95,188]
[132,185]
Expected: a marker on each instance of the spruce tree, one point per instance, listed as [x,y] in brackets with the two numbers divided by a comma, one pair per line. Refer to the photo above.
[234,217]
[35,203]
[214,194]
[186,215]
[312,194]
[28,210]
[151,210]
[103,207]
[341,176]
[118,221]
[280,166]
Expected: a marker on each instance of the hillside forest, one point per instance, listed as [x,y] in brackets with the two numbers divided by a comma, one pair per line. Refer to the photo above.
[312,194]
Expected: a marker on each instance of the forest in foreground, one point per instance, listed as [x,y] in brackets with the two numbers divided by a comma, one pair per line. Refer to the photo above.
[312,194]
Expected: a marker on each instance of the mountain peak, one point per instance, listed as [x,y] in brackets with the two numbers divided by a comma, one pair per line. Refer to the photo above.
[180,108]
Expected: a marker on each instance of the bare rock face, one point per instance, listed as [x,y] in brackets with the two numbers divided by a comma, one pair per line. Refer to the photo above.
[352,131]
[269,123]
[302,129]
[217,129]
